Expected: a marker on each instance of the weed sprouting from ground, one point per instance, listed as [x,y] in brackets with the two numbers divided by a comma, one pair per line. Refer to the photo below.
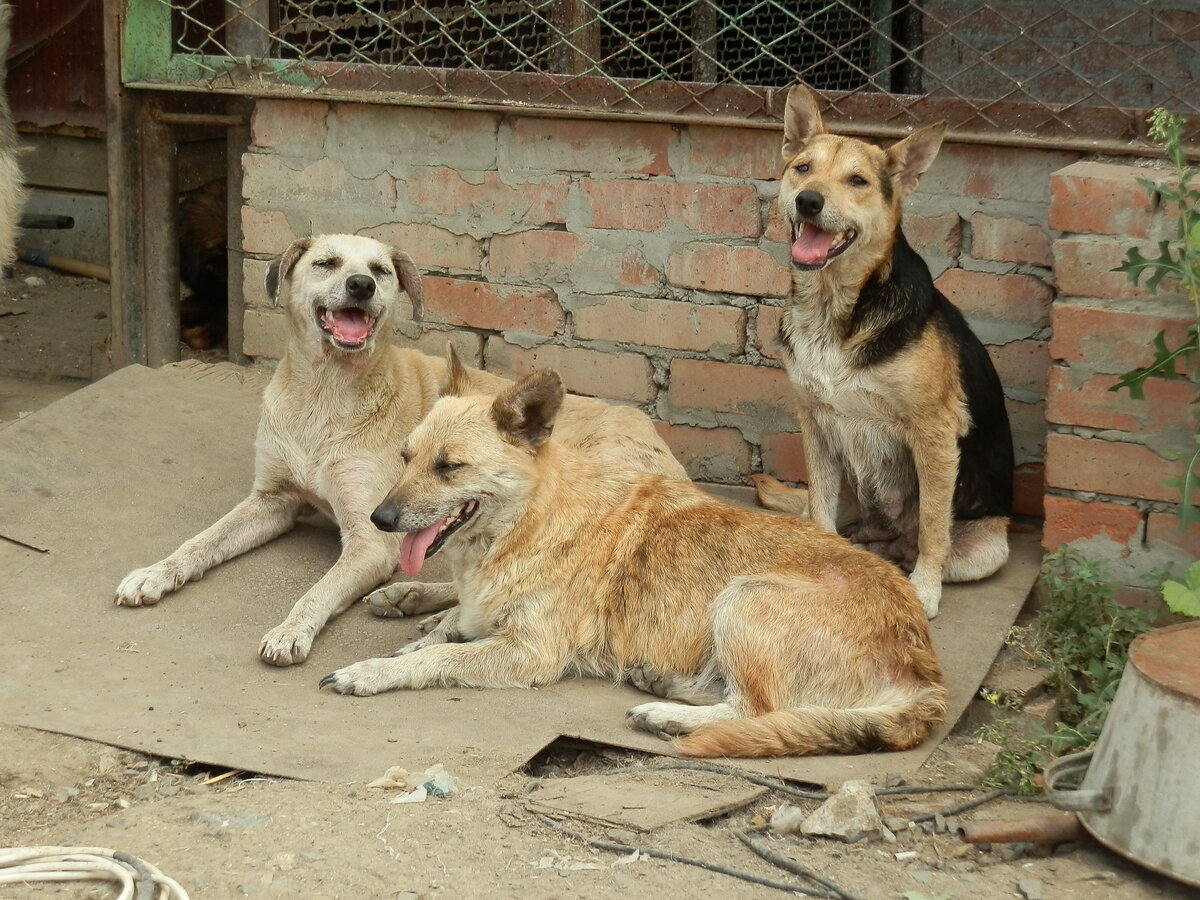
[1083,634]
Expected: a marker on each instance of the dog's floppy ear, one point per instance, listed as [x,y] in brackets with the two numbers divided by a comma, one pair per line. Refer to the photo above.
[458,381]
[909,159]
[280,268]
[524,413]
[410,280]
[801,120]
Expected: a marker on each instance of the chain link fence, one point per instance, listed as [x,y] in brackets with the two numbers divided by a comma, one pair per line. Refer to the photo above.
[1042,68]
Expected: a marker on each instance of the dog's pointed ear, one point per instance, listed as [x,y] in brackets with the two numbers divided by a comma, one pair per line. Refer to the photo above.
[281,267]
[525,412]
[458,380]
[410,280]
[801,120]
[909,159]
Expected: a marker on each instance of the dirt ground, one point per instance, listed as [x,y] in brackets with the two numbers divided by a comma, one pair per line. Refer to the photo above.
[247,835]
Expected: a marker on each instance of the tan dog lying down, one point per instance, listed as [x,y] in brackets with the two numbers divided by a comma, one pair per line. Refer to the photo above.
[334,417]
[787,638]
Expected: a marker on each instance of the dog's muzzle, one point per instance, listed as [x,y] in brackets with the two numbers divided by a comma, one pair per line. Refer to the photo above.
[350,324]
[812,245]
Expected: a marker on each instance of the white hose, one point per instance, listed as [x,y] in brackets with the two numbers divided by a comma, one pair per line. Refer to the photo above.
[137,879]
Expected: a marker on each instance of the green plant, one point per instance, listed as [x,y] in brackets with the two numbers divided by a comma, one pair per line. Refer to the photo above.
[1178,259]
[1183,599]
[1083,634]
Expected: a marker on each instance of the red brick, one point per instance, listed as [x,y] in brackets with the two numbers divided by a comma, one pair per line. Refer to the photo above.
[727,387]
[674,324]
[1009,240]
[561,257]
[493,307]
[269,178]
[289,126]
[1069,520]
[938,235]
[731,270]
[777,229]
[265,231]
[1021,364]
[1164,528]
[1083,267]
[735,152]
[1114,468]
[766,329]
[614,376]
[1029,489]
[432,342]
[445,192]
[783,456]
[589,145]
[1116,337]
[639,205]
[708,454]
[1077,398]
[429,245]
[1000,298]
[1101,198]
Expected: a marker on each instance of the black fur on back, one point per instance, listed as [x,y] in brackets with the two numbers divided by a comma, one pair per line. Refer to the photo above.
[896,310]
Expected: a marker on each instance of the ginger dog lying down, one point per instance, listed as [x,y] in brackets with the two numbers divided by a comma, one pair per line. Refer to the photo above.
[787,638]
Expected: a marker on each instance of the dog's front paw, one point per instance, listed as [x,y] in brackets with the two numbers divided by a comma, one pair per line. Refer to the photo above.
[930,595]
[285,645]
[363,679]
[145,587]
[660,719]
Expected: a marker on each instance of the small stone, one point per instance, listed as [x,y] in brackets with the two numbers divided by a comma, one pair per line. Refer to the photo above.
[621,836]
[787,819]
[1012,852]
[1031,889]
[66,794]
[168,789]
[34,281]
[850,815]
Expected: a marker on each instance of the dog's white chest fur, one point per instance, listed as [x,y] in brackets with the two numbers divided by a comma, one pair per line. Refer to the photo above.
[849,406]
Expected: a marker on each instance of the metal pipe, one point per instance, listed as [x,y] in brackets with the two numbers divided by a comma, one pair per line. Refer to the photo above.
[955,136]
[1035,830]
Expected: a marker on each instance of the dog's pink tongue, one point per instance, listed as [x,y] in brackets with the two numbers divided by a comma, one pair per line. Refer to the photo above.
[412,550]
[351,326]
[812,245]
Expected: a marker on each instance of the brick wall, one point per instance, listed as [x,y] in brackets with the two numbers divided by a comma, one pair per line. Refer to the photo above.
[643,261]
[1108,456]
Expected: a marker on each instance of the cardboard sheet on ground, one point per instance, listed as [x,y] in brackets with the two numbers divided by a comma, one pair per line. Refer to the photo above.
[118,474]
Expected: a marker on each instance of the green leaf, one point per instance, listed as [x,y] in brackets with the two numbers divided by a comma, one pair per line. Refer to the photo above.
[1192,578]
[1180,600]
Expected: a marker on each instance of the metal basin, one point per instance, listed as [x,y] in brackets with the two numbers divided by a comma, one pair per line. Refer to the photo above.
[1141,794]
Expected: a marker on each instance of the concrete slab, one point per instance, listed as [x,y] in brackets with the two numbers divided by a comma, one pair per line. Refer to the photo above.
[117,474]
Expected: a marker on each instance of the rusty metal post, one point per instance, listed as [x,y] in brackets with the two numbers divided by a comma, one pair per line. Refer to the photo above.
[160,241]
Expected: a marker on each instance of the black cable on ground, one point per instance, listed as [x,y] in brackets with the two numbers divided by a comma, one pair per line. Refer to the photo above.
[613,847]
[790,865]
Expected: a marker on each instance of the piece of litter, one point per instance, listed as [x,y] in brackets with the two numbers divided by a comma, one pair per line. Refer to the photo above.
[394,777]
[416,795]
[906,855]
[438,781]
[35,281]
[631,858]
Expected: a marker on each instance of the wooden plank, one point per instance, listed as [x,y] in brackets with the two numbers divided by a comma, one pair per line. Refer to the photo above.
[643,799]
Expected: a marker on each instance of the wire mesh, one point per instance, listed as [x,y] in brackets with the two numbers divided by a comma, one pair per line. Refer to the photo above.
[1038,67]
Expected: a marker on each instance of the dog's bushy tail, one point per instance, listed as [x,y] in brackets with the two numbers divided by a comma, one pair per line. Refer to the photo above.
[900,720]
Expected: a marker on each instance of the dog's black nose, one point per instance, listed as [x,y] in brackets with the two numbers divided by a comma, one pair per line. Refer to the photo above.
[809,203]
[360,287]
[385,516]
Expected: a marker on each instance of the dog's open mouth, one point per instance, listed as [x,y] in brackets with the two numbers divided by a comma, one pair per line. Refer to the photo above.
[418,546]
[813,247]
[349,326]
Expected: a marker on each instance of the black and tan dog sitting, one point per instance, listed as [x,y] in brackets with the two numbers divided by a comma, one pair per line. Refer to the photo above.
[898,399]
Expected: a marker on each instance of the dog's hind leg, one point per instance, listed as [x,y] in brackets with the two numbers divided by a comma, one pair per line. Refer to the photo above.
[411,598]
[261,517]
[702,688]
[445,631]
[978,548]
